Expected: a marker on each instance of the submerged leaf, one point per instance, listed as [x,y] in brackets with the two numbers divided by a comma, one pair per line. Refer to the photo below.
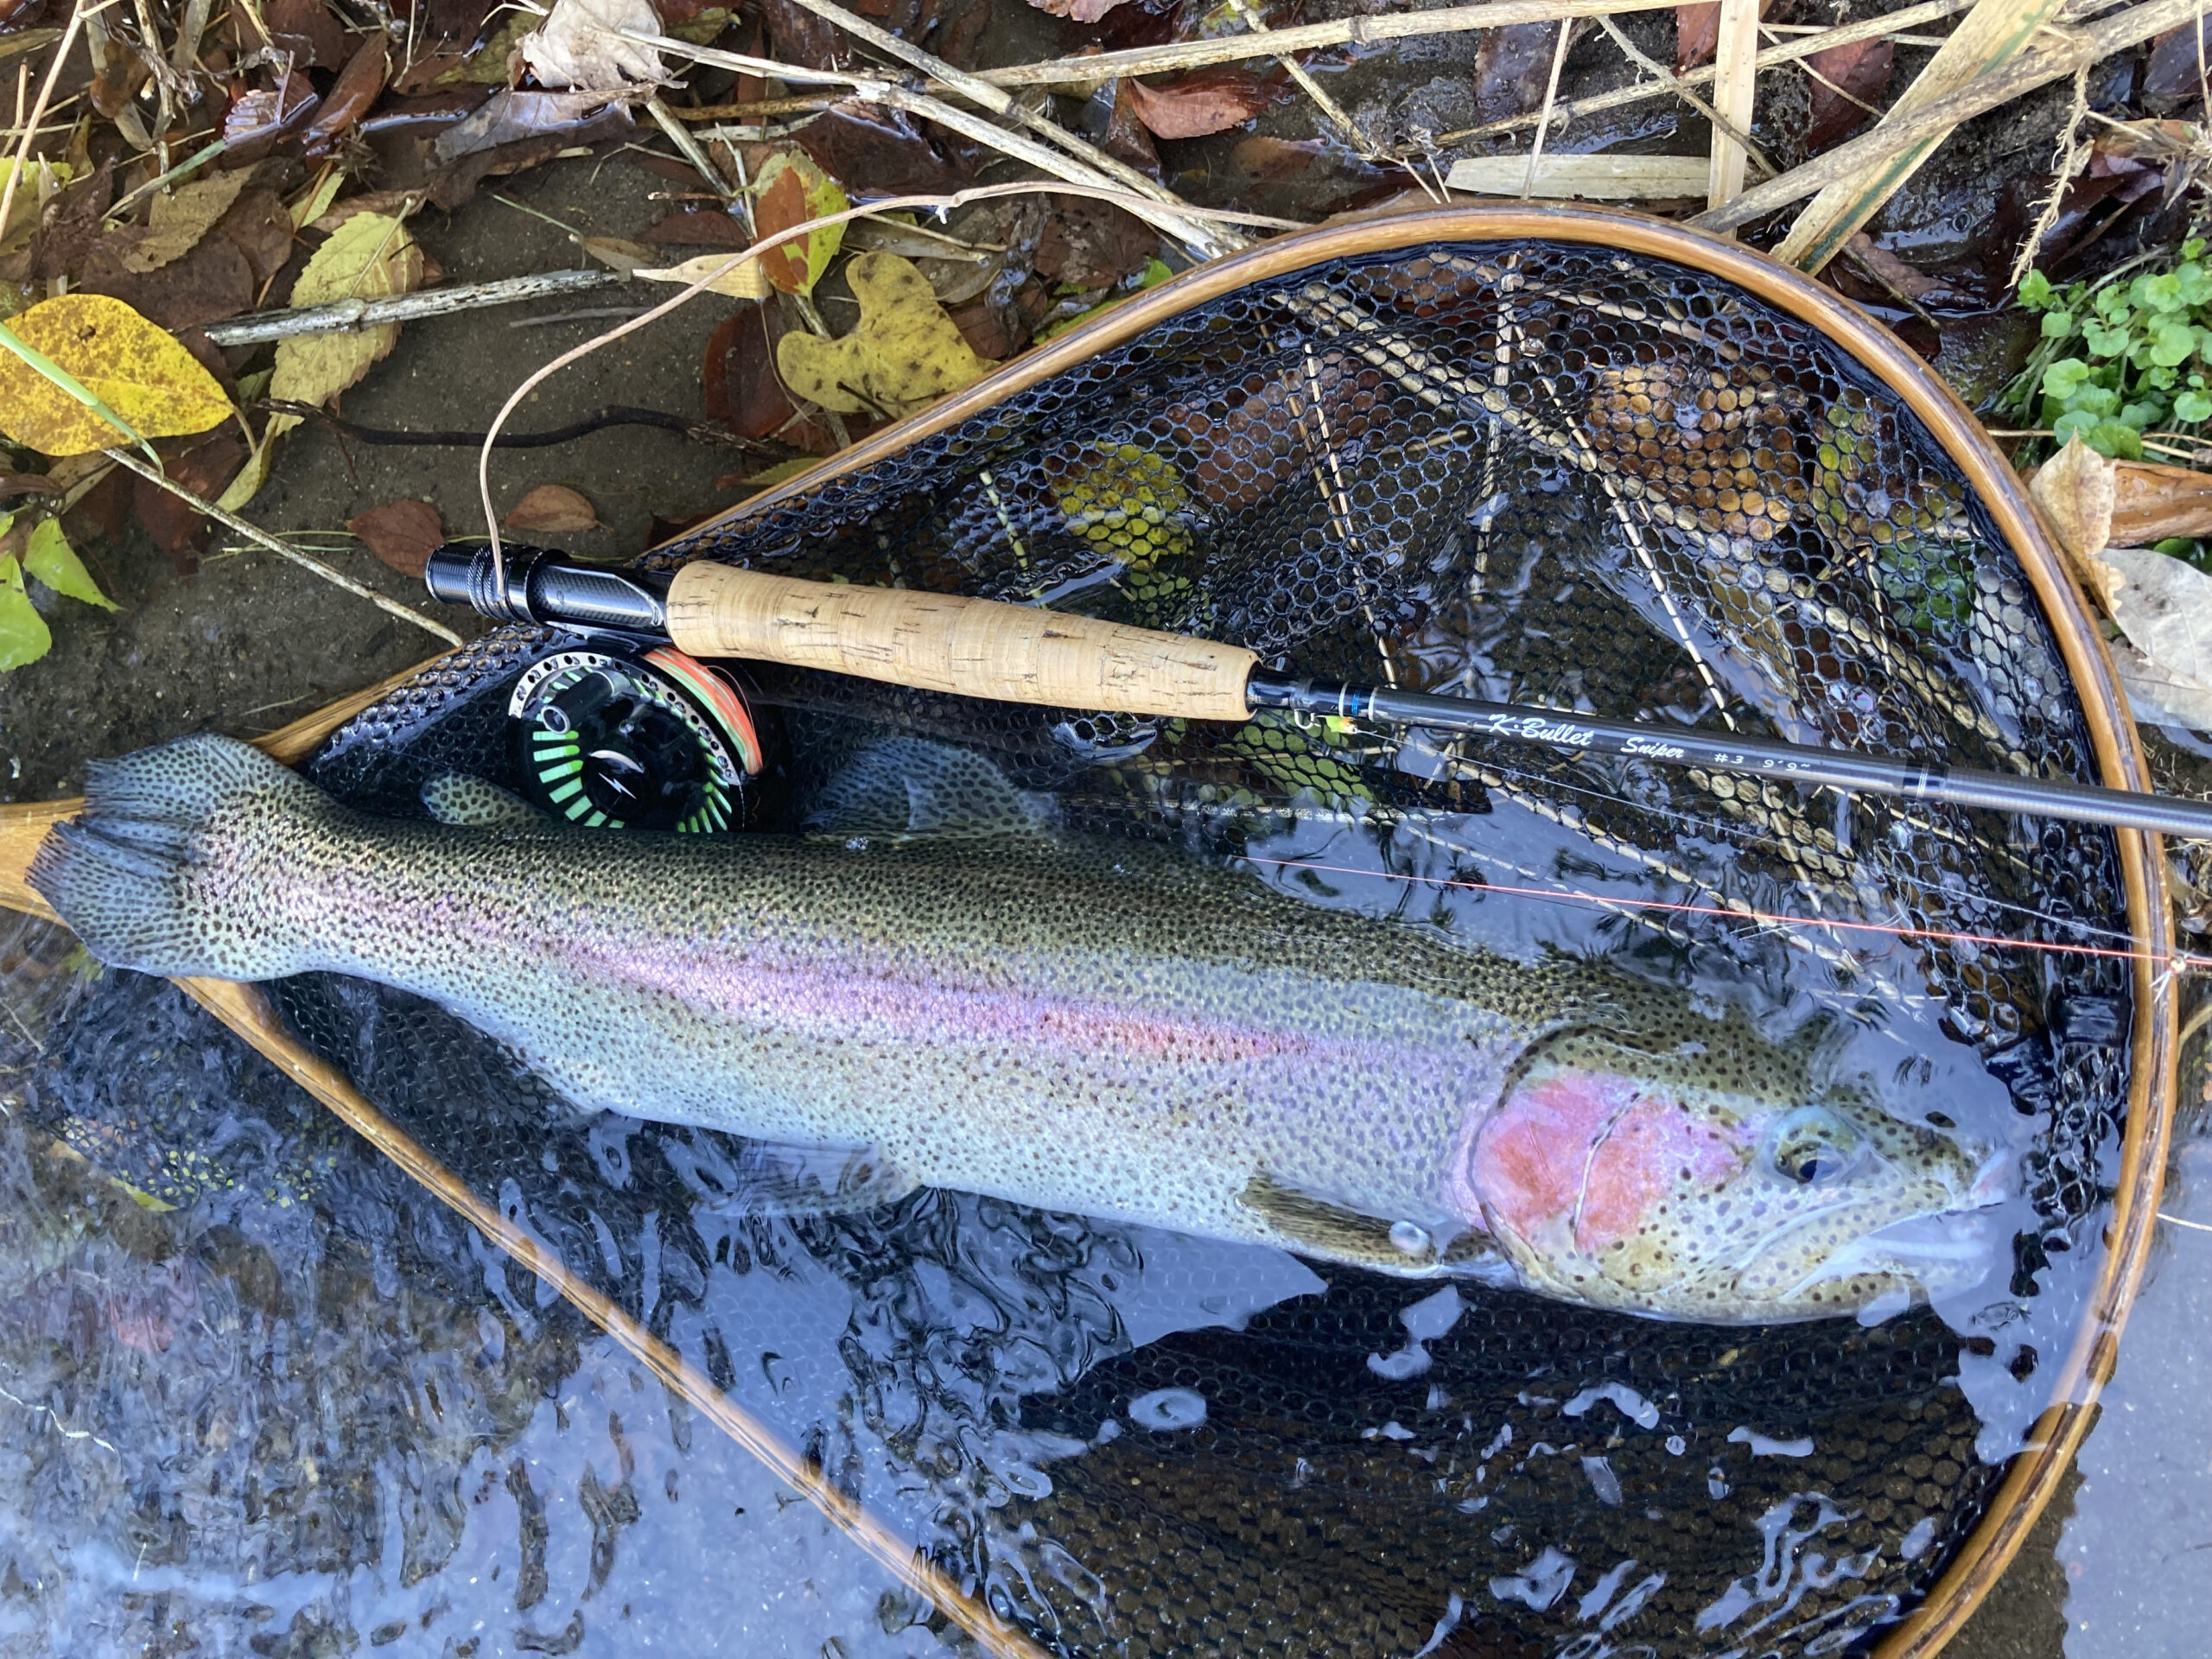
[369,256]
[24,637]
[402,534]
[137,371]
[178,220]
[906,352]
[50,558]
[1843,79]
[792,190]
[553,509]
[1204,101]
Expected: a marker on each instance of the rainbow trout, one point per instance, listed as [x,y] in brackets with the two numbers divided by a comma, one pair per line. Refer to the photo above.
[1080,1026]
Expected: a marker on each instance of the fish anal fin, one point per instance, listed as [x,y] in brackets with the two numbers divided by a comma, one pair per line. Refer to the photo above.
[776,1180]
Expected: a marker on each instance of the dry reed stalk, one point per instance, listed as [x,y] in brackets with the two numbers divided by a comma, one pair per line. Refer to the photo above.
[1074,160]
[21,160]
[1868,28]
[2059,54]
[1994,32]
[1103,168]
[1348,31]
[1735,88]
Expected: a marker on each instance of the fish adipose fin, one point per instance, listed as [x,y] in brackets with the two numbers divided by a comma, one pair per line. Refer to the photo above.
[456,798]
[908,789]
[1318,1227]
[128,876]
[766,1178]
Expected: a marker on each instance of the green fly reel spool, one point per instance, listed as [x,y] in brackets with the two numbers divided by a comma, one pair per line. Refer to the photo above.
[651,741]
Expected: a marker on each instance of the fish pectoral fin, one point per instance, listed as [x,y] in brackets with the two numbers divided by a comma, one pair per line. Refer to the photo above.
[456,798]
[907,788]
[776,1180]
[1322,1227]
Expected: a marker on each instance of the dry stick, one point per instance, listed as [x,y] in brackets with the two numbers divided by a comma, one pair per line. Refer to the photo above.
[1679,86]
[1151,203]
[1350,31]
[1735,90]
[1869,29]
[1334,111]
[1205,243]
[261,537]
[1551,98]
[344,316]
[1994,32]
[887,205]
[2038,65]
[77,16]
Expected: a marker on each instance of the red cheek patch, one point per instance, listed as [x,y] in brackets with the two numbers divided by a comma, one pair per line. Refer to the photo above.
[1529,1157]
[1652,1147]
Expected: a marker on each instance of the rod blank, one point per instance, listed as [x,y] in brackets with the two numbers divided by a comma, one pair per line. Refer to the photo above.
[1023,654]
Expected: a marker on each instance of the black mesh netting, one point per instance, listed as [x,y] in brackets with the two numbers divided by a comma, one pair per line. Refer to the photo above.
[1532,473]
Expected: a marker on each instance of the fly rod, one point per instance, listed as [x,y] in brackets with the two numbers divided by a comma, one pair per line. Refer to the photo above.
[1023,653]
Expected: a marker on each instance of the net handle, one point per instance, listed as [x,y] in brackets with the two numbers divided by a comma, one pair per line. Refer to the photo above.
[944,642]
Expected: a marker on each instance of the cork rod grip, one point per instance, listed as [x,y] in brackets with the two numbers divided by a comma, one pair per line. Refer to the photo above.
[940,642]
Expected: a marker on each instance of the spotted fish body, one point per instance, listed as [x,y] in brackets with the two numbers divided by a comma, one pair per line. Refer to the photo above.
[1077,1026]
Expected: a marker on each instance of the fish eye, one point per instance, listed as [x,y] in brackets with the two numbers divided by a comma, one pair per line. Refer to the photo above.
[1813,1144]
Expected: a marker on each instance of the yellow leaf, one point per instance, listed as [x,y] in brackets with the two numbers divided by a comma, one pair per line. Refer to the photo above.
[313,202]
[370,257]
[50,558]
[251,476]
[905,354]
[177,221]
[136,369]
[23,635]
[746,283]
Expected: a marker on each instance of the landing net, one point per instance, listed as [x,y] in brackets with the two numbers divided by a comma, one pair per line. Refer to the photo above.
[1531,471]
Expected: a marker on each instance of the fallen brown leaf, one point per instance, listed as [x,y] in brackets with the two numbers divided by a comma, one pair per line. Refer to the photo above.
[891,152]
[1089,244]
[552,508]
[1206,100]
[743,392]
[203,469]
[403,534]
[1112,114]
[2151,503]
[358,87]
[1861,71]
[307,29]
[1697,33]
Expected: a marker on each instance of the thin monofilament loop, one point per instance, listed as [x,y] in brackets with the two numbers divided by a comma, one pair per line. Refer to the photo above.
[939,204]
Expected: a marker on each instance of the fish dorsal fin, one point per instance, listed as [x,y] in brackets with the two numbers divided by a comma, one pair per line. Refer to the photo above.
[910,789]
[456,798]
[1335,1231]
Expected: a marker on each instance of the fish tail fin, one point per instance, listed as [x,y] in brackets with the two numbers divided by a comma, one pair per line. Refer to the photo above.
[163,870]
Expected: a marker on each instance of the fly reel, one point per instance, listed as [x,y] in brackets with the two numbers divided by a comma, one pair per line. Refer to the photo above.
[651,739]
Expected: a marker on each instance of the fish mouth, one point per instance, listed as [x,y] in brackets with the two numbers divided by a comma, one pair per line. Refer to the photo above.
[1946,1250]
